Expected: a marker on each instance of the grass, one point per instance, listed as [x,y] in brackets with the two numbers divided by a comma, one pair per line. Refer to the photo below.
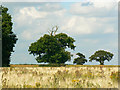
[92,65]
[59,65]
[60,77]
[24,65]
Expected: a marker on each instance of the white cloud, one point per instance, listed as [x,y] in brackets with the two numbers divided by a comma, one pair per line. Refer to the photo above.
[70,23]
[109,30]
[40,19]
[85,25]
[32,12]
[28,16]
[25,17]
[104,3]
[59,13]
[94,9]
[77,25]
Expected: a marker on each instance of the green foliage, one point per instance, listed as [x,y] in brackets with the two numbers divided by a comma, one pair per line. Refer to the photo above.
[8,37]
[51,48]
[80,60]
[52,65]
[38,84]
[115,76]
[101,56]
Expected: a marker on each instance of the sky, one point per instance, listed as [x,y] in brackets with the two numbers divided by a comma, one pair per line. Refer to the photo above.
[93,25]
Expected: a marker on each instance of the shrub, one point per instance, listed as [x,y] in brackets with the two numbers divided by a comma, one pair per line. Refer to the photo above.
[51,65]
[115,76]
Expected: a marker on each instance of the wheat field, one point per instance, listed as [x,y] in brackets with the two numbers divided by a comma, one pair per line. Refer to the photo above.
[59,77]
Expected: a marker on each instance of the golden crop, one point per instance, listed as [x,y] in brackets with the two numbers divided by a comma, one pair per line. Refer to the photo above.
[59,77]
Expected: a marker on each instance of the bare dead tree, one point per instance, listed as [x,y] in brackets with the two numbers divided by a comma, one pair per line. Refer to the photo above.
[53,31]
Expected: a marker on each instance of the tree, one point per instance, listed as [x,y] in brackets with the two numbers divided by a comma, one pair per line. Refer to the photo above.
[51,47]
[8,37]
[80,60]
[101,56]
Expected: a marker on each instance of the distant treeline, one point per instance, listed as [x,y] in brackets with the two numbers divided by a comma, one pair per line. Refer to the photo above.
[60,65]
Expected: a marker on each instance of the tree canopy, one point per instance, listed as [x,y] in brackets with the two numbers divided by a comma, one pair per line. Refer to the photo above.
[51,47]
[101,56]
[80,60]
[8,37]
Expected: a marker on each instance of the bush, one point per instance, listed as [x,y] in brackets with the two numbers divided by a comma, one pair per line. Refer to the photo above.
[115,76]
[52,65]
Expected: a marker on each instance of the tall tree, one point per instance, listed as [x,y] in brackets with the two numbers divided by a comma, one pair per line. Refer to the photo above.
[51,48]
[80,60]
[8,37]
[101,56]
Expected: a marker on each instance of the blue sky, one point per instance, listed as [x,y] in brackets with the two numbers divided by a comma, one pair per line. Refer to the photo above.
[94,26]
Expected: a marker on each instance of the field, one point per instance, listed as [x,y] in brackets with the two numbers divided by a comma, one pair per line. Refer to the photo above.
[60,77]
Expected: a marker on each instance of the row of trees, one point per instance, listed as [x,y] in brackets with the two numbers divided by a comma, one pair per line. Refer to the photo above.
[99,56]
[51,48]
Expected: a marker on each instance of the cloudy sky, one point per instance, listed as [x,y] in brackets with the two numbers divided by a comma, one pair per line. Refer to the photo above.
[93,24]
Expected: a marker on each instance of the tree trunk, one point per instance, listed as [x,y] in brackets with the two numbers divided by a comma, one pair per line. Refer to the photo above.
[101,62]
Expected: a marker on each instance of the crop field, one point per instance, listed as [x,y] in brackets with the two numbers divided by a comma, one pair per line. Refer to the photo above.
[59,77]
